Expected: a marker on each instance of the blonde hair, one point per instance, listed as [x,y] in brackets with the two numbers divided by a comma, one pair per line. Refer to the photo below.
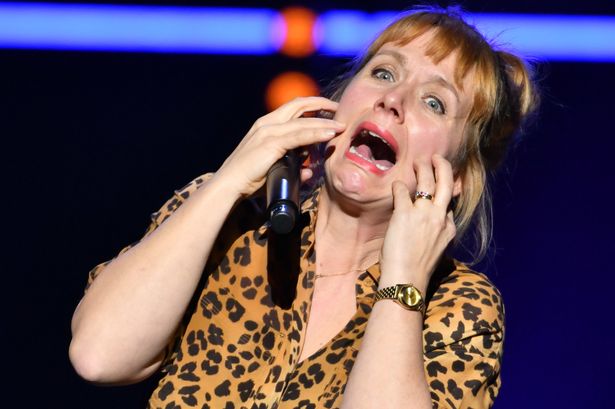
[504,96]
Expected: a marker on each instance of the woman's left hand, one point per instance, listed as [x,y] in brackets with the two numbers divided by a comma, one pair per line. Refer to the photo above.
[419,229]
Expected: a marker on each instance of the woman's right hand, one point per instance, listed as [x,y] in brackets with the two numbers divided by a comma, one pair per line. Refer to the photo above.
[135,304]
[272,136]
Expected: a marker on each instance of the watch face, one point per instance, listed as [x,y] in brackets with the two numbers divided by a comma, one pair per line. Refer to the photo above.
[410,296]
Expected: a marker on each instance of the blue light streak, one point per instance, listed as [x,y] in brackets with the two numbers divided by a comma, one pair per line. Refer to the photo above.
[139,28]
[546,37]
[261,31]
[553,37]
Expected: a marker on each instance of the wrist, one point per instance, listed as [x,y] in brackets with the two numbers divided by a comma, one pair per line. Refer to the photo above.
[393,277]
[405,295]
[225,187]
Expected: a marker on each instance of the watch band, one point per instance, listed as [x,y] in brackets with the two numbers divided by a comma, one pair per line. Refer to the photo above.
[387,293]
[397,294]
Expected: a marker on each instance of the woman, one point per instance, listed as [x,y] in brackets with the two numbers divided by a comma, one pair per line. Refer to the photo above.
[376,315]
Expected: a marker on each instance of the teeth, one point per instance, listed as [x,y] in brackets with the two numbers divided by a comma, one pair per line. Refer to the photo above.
[375,135]
[353,150]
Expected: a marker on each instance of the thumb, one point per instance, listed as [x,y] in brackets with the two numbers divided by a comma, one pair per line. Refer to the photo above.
[306,174]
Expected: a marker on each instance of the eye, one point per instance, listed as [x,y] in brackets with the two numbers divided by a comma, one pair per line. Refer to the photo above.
[383,74]
[435,105]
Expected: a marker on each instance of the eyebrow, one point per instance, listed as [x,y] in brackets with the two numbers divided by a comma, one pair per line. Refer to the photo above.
[438,79]
[395,54]
[443,82]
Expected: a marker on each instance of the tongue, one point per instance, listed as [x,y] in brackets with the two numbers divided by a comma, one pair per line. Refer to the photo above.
[384,163]
[365,151]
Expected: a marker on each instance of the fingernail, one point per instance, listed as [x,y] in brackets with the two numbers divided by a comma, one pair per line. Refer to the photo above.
[325,114]
[330,133]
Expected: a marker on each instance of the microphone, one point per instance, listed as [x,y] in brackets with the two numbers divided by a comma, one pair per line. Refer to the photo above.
[283,180]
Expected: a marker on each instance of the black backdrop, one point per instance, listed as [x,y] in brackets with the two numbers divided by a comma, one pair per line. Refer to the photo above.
[94,142]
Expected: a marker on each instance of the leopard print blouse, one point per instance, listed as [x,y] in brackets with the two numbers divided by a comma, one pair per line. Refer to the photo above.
[240,344]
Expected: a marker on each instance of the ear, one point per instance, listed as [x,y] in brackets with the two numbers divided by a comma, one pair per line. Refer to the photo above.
[457,186]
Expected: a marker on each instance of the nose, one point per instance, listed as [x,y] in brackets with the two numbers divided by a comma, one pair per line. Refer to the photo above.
[392,102]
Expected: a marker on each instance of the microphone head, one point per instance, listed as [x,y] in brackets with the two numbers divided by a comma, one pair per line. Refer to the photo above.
[282,218]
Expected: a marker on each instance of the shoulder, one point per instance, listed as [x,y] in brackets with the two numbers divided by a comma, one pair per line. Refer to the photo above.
[463,338]
[462,304]
[178,198]
[156,218]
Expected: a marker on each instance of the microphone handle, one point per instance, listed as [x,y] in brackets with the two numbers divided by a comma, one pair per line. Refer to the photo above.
[283,192]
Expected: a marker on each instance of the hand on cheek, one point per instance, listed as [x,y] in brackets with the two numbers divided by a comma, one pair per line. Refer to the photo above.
[420,228]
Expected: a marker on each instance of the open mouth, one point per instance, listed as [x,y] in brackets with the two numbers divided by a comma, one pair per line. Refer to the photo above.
[373,148]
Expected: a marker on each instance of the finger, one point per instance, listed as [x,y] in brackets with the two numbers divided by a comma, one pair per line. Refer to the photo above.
[267,125]
[300,132]
[316,122]
[401,195]
[444,181]
[296,125]
[320,113]
[294,109]
[299,106]
[425,179]
[306,174]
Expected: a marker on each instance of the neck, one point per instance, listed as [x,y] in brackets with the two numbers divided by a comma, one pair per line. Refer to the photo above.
[348,237]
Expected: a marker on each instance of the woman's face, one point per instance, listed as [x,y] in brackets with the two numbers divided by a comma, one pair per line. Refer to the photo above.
[400,110]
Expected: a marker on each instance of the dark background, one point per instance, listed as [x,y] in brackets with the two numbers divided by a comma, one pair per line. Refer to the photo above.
[94,142]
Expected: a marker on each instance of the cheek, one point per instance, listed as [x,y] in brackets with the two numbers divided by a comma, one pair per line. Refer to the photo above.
[426,144]
[350,100]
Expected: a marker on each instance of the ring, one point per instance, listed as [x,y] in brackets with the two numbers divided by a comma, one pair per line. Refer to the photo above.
[422,195]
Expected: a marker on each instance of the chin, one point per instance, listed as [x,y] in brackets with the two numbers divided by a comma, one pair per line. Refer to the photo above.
[353,183]
[345,178]
[353,180]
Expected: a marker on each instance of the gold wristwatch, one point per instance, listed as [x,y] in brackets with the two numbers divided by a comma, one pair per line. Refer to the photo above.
[406,295]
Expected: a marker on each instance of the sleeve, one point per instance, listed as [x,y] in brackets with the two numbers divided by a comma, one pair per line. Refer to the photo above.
[463,338]
[156,219]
